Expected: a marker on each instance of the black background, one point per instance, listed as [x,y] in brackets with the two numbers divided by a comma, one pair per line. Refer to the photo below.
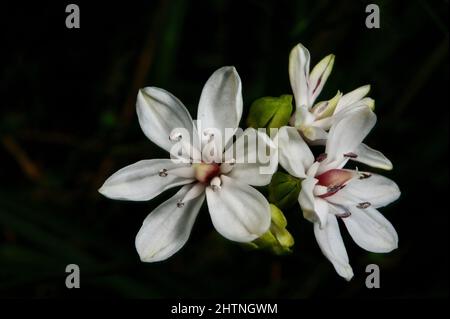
[68,121]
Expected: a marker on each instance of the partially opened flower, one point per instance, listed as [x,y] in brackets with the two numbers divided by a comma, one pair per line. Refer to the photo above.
[238,211]
[330,192]
[313,120]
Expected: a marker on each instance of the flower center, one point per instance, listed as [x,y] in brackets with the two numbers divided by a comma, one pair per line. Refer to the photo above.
[334,180]
[205,172]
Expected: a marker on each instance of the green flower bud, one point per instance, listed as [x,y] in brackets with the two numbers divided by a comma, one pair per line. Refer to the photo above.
[270,112]
[284,190]
[277,239]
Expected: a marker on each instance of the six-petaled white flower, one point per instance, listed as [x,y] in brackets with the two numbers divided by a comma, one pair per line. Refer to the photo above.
[205,163]
[238,211]
[313,120]
[330,192]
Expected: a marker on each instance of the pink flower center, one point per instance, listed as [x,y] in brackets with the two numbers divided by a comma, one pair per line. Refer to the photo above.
[334,180]
[205,172]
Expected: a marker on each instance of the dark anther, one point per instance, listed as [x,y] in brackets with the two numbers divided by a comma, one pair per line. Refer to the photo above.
[350,155]
[344,215]
[363,205]
[163,172]
[334,188]
[180,204]
[364,175]
[321,157]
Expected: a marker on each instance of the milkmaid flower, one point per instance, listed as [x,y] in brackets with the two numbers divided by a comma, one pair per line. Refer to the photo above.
[238,211]
[330,192]
[313,120]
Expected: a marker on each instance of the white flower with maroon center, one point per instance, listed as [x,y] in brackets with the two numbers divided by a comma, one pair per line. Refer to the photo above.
[238,211]
[330,192]
[313,120]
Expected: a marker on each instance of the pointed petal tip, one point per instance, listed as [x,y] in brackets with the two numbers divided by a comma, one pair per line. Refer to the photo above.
[349,277]
[228,69]
[299,47]
[101,190]
[331,57]
[346,272]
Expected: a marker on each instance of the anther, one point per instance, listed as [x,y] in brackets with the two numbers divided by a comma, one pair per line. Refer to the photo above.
[163,172]
[215,183]
[334,188]
[363,205]
[364,175]
[226,167]
[321,157]
[180,204]
[344,215]
[350,155]
[175,137]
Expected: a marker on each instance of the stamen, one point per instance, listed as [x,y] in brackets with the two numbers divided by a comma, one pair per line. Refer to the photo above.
[215,183]
[321,157]
[163,172]
[344,215]
[346,212]
[180,204]
[331,190]
[351,155]
[226,167]
[186,147]
[364,175]
[209,134]
[193,152]
[334,188]
[194,192]
[186,172]
[175,137]
[210,153]
[363,205]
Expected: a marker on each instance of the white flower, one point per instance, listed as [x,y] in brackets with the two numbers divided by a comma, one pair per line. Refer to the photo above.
[238,211]
[314,120]
[330,192]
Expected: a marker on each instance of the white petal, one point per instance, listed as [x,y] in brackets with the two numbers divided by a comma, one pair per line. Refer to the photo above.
[346,135]
[294,154]
[252,164]
[372,157]
[238,211]
[324,123]
[167,228]
[299,75]
[352,97]
[332,246]
[377,190]
[321,209]
[159,113]
[370,230]
[314,208]
[141,181]
[221,103]
[319,76]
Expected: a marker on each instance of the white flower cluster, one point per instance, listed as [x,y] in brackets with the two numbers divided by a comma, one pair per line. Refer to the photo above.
[211,168]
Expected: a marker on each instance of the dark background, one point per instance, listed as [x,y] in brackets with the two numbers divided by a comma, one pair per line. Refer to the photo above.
[67,122]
